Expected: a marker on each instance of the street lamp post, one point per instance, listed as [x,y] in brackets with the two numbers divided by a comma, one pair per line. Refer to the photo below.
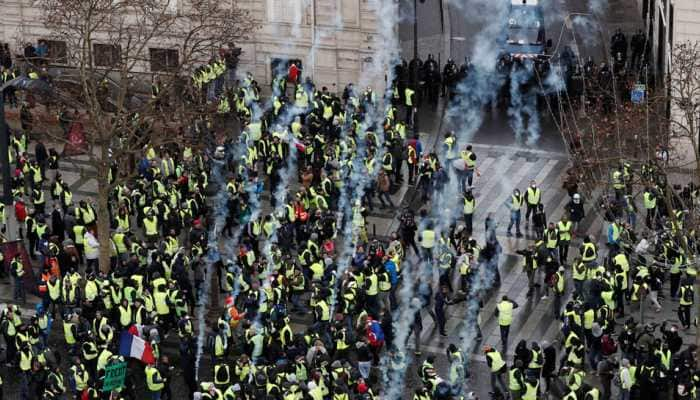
[415,62]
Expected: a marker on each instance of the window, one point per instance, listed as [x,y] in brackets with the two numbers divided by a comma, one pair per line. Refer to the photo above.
[106,55]
[287,11]
[163,60]
[56,51]
[280,66]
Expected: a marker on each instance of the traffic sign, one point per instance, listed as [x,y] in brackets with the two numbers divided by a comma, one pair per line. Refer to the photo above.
[638,94]
[114,376]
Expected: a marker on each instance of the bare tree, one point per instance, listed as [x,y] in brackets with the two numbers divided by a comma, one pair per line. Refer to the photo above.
[684,100]
[111,43]
[684,95]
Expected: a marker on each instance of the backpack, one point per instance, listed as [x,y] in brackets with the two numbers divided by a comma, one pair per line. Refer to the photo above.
[375,334]
[608,345]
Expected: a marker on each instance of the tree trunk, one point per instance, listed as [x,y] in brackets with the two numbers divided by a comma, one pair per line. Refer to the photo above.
[697,315]
[103,219]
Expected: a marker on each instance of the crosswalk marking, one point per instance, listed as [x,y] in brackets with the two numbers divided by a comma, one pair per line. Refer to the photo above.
[503,170]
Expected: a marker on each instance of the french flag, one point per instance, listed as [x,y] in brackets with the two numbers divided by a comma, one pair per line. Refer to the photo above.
[130,345]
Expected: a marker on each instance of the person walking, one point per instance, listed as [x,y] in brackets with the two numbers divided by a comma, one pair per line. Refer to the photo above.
[564,228]
[441,302]
[504,312]
[384,188]
[687,298]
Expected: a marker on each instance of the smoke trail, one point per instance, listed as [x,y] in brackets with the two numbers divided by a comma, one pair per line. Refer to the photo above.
[379,67]
[212,256]
[523,114]
[402,321]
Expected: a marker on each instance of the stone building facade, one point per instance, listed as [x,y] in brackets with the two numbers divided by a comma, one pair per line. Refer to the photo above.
[334,40]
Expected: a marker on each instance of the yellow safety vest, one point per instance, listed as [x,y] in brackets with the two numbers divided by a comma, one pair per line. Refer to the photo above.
[427,239]
[531,391]
[564,230]
[68,333]
[90,251]
[516,202]
[325,311]
[469,206]
[409,97]
[153,379]
[533,197]
[151,225]
[496,360]
[649,201]
[25,360]
[373,285]
[79,232]
[161,305]
[588,254]
[505,313]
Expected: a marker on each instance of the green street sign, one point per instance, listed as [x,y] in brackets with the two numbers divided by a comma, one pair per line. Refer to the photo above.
[114,376]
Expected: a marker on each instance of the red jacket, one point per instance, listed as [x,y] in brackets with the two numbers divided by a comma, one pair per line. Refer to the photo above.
[20,211]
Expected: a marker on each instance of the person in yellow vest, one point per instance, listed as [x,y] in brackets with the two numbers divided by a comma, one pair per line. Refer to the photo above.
[468,210]
[449,147]
[154,382]
[533,197]
[514,204]
[410,104]
[564,228]
[687,298]
[531,390]
[559,289]
[92,251]
[588,251]
[504,312]
[650,207]
[469,158]
[151,227]
[516,383]
[80,377]
[427,242]
[626,379]
[17,270]
[26,358]
[498,368]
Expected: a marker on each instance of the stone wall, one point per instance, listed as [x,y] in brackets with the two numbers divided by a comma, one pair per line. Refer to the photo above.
[333,38]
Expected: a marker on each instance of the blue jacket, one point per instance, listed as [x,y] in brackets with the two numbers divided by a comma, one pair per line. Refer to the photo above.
[610,235]
[390,268]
